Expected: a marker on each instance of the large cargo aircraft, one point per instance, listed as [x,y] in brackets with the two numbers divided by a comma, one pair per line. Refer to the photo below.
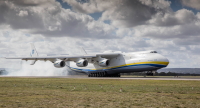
[107,64]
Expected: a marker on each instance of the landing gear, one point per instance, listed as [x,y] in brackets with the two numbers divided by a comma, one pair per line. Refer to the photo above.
[103,74]
[150,73]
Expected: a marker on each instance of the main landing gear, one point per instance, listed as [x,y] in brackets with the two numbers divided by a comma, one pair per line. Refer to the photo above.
[103,74]
[150,73]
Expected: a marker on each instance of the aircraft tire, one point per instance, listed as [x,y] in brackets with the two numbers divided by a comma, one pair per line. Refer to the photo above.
[104,74]
[96,74]
[100,74]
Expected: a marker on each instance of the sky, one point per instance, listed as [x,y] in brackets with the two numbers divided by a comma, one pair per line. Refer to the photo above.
[171,27]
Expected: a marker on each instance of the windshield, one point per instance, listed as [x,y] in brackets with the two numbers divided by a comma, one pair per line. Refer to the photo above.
[153,52]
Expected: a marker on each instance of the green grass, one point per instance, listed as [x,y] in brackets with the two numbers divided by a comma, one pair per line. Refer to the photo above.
[84,93]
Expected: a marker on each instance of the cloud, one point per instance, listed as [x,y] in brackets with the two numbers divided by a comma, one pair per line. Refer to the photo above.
[50,19]
[19,17]
[192,3]
[180,17]
[23,13]
[122,13]
[68,23]
[132,13]
[184,26]
[91,6]
[31,2]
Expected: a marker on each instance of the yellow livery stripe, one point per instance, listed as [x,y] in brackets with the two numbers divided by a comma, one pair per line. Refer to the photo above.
[148,62]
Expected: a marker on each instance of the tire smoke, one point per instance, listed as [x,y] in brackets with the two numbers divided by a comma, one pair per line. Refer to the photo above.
[40,68]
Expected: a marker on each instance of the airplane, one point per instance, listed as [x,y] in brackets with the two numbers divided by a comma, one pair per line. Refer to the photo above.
[106,64]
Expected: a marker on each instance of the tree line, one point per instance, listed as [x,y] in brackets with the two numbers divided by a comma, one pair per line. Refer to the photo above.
[163,74]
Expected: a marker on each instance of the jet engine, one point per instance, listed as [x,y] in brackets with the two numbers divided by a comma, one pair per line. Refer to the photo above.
[104,62]
[82,63]
[59,64]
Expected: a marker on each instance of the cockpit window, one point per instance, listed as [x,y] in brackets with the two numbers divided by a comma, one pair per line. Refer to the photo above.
[153,52]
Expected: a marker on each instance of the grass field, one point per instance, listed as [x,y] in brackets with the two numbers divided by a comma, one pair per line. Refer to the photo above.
[107,93]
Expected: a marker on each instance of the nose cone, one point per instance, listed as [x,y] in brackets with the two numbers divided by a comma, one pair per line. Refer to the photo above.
[159,60]
[164,60]
[167,61]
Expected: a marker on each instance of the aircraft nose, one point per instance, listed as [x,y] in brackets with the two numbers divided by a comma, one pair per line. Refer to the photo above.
[164,59]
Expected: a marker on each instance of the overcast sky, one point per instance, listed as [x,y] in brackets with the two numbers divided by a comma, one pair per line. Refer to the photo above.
[171,27]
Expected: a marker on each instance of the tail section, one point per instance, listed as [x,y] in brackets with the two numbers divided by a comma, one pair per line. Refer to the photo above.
[82,50]
[33,53]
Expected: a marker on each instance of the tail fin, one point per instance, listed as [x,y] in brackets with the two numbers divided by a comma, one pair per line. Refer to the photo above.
[82,50]
[33,53]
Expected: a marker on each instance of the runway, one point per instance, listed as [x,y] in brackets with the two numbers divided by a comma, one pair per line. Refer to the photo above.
[197,78]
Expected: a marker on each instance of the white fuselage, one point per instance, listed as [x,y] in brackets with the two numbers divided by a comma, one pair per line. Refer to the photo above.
[124,63]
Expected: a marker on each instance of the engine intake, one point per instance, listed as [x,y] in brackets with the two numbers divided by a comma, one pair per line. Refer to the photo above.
[59,64]
[82,63]
[104,62]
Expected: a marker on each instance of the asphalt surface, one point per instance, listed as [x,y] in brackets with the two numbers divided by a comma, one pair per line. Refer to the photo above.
[120,78]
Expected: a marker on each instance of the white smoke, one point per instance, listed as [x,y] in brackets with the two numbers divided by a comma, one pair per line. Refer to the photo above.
[40,68]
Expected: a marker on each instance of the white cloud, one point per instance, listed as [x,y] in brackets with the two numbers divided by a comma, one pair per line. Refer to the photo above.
[50,19]
[192,3]
[23,13]
[129,13]
[92,6]
[180,17]
[122,13]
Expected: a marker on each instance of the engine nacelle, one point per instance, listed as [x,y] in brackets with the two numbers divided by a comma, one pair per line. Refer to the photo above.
[59,64]
[104,62]
[82,63]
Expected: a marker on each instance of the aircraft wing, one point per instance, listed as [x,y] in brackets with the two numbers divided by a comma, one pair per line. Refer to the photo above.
[50,58]
[68,57]
[54,59]
[108,55]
